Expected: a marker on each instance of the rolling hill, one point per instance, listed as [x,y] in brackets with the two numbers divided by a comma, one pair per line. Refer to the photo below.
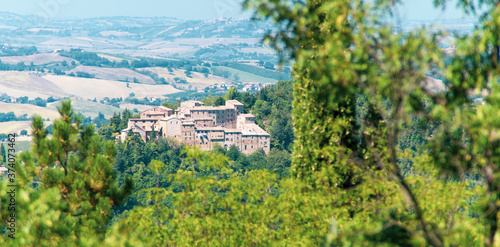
[88,108]
[36,59]
[20,84]
[197,80]
[31,110]
[114,74]
[34,85]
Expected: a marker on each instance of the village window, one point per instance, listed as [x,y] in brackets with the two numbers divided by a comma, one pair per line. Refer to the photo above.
[245,147]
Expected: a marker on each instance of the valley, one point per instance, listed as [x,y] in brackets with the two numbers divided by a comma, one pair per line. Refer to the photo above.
[109,64]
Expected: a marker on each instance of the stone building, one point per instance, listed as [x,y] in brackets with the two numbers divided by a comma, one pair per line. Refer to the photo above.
[157,112]
[193,123]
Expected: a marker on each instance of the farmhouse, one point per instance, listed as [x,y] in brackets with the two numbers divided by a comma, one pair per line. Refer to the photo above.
[193,123]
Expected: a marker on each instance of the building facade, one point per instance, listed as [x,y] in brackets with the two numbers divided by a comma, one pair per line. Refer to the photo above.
[193,123]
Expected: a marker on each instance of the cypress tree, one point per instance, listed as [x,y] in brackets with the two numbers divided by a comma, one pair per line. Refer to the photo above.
[3,154]
[153,133]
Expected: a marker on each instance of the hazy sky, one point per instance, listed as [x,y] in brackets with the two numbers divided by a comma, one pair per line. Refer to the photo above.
[182,9]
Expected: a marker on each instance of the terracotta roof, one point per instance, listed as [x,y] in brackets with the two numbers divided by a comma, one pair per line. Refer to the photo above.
[203,118]
[210,128]
[232,130]
[234,102]
[143,119]
[246,115]
[161,107]
[253,130]
[170,118]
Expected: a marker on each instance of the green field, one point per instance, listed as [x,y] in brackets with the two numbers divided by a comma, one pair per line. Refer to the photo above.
[20,146]
[245,76]
[23,146]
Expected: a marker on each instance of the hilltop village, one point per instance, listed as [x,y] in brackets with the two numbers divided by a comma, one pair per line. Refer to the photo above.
[193,123]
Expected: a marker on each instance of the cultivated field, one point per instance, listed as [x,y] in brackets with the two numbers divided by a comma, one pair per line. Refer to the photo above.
[197,80]
[19,84]
[111,58]
[115,33]
[247,77]
[97,88]
[31,110]
[17,126]
[114,74]
[90,44]
[88,108]
[134,106]
[37,59]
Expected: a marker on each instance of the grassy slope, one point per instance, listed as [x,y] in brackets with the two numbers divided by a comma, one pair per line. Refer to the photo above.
[133,106]
[17,126]
[89,108]
[114,74]
[20,109]
[37,59]
[196,80]
[20,145]
[96,88]
[247,77]
[19,84]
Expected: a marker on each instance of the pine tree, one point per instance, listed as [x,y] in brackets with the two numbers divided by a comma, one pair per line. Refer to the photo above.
[115,122]
[67,183]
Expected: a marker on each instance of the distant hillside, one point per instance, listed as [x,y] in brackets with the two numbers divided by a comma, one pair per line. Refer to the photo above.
[89,108]
[30,110]
[36,59]
[132,36]
[116,74]
[18,84]
[134,27]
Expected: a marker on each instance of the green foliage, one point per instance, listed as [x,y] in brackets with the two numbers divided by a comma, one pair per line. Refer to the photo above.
[11,116]
[273,111]
[3,154]
[66,188]
[347,50]
[172,106]
[214,101]
[219,101]
[86,58]
[268,72]
[219,207]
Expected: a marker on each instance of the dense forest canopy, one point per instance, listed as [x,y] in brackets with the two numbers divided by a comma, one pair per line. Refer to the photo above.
[369,156]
